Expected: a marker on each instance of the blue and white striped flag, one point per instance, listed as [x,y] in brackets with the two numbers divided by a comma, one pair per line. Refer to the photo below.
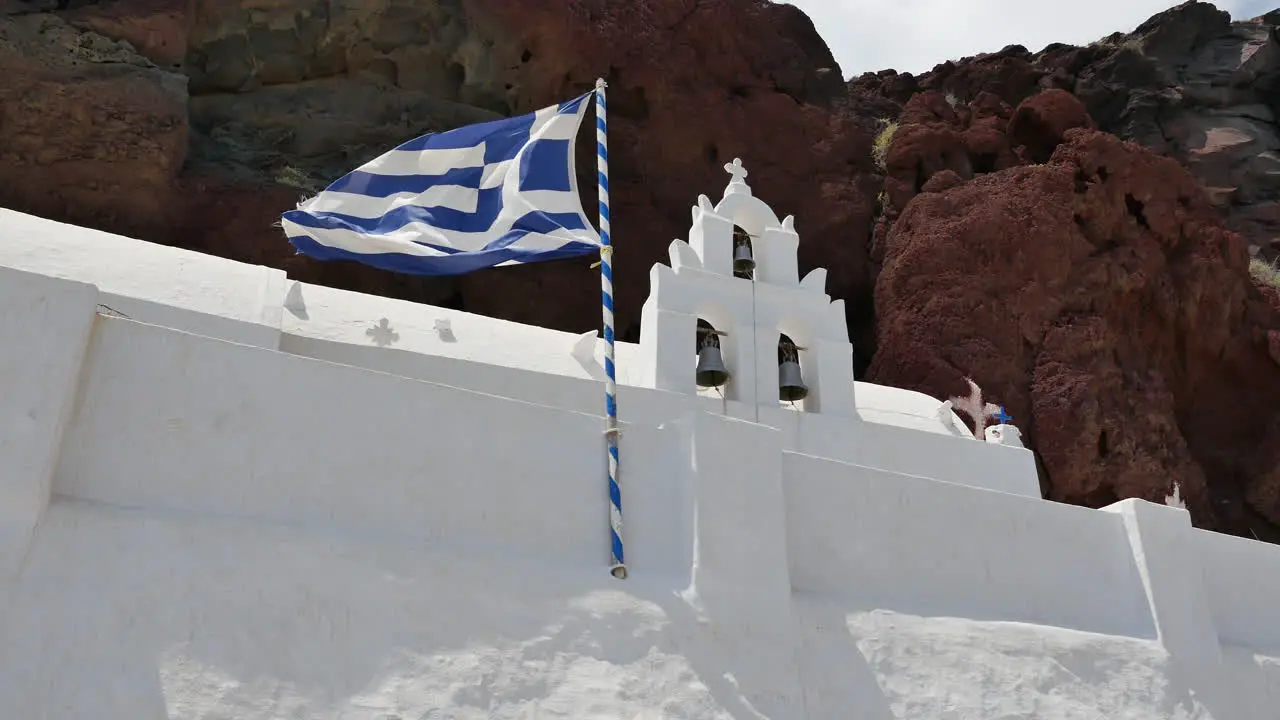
[497,193]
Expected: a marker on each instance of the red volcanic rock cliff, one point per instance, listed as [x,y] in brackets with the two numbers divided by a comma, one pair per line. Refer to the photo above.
[1099,297]
[1087,283]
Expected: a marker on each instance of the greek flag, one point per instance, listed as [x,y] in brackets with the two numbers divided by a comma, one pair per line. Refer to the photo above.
[496,193]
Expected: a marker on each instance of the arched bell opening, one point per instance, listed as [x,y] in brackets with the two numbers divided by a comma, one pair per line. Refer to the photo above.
[792,389]
[744,259]
[711,373]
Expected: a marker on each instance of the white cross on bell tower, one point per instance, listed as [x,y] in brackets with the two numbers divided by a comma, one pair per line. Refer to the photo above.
[738,184]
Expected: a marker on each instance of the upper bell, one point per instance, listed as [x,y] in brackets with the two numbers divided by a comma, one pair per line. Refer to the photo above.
[791,385]
[711,371]
[743,263]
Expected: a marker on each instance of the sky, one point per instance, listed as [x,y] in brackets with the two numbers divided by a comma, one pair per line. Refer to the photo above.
[914,35]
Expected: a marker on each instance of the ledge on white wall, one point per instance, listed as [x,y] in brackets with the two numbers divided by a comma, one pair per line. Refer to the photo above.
[332,324]
[151,283]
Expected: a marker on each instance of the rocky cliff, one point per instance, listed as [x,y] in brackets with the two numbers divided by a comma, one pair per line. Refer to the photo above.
[985,219]
[1189,83]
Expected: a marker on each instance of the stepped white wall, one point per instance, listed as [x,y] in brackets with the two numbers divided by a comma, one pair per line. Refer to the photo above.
[197,528]
[259,306]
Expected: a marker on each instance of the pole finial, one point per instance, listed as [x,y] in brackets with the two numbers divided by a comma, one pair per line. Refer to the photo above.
[601,84]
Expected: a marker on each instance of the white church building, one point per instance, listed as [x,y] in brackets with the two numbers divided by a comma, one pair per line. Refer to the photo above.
[227,495]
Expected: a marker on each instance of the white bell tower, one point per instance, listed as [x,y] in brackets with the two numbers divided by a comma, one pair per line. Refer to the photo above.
[752,309]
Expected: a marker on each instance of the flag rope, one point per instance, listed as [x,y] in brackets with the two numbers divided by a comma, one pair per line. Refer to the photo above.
[618,567]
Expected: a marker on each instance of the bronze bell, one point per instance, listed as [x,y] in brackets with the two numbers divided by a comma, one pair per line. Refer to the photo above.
[743,263]
[711,370]
[791,385]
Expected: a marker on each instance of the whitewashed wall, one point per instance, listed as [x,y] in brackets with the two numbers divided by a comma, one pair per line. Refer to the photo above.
[258,306]
[244,432]
[1244,581]
[193,527]
[539,366]
[878,539]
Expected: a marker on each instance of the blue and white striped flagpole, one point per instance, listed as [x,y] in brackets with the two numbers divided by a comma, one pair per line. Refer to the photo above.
[618,567]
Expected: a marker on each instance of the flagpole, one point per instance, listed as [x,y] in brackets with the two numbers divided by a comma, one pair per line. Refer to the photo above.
[617,566]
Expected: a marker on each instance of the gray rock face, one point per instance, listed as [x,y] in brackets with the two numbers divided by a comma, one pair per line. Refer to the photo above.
[435,47]
[325,85]
[318,129]
[1188,83]
[1216,112]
